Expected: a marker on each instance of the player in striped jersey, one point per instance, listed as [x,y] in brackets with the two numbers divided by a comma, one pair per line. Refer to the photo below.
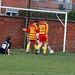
[43,37]
[32,30]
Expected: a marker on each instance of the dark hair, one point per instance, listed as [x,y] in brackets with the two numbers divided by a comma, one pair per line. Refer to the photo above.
[35,21]
[8,38]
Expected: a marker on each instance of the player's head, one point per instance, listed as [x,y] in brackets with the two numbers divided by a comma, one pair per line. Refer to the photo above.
[8,38]
[43,20]
[35,21]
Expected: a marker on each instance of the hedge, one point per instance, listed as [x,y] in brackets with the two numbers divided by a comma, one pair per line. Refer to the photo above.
[71,15]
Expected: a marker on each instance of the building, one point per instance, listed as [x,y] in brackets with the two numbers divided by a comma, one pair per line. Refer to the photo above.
[53,4]
[12,3]
[38,4]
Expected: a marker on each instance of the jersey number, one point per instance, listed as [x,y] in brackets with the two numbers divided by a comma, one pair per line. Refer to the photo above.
[32,30]
[42,28]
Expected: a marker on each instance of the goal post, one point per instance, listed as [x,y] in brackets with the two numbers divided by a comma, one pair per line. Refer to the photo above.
[47,11]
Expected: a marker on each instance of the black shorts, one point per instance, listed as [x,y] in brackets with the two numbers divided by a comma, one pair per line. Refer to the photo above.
[2,51]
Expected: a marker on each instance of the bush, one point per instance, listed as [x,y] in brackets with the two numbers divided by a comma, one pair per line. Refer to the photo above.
[41,15]
[22,13]
[71,15]
[35,14]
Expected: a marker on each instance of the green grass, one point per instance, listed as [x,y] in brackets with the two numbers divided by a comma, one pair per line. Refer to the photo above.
[20,63]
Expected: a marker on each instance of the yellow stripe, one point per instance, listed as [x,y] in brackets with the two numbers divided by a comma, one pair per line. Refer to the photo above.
[41,32]
[32,37]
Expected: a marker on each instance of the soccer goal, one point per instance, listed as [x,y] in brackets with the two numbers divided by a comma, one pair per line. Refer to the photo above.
[48,11]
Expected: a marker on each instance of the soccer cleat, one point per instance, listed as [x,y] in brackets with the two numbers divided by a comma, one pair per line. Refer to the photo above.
[27,52]
[44,54]
[36,52]
[8,54]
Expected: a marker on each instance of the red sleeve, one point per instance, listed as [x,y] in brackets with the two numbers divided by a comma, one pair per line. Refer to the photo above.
[37,30]
[28,30]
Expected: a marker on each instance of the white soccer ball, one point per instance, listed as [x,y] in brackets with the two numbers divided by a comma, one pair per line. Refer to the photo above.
[51,51]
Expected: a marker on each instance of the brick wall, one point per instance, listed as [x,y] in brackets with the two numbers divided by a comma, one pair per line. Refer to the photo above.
[45,4]
[13,26]
[15,3]
[73,1]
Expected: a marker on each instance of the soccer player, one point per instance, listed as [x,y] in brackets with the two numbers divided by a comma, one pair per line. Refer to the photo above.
[32,30]
[43,35]
[6,45]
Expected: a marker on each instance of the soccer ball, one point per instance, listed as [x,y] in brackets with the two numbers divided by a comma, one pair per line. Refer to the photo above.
[51,51]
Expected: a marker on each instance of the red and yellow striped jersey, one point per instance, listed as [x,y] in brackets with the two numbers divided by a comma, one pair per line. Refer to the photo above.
[43,28]
[32,30]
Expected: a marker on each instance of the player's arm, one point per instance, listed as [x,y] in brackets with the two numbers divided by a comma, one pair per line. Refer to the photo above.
[46,28]
[26,30]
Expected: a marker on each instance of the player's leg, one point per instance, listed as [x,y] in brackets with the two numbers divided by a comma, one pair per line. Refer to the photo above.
[40,41]
[38,51]
[28,47]
[45,48]
[35,44]
[49,48]
[38,47]
[2,51]
[44,39]
[8,51]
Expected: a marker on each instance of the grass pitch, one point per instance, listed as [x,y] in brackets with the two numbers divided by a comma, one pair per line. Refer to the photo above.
[20,63]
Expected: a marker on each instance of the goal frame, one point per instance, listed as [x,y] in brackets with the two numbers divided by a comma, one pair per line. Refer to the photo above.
[48,11]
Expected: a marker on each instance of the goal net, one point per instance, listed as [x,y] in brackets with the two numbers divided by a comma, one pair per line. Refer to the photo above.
[47,12]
